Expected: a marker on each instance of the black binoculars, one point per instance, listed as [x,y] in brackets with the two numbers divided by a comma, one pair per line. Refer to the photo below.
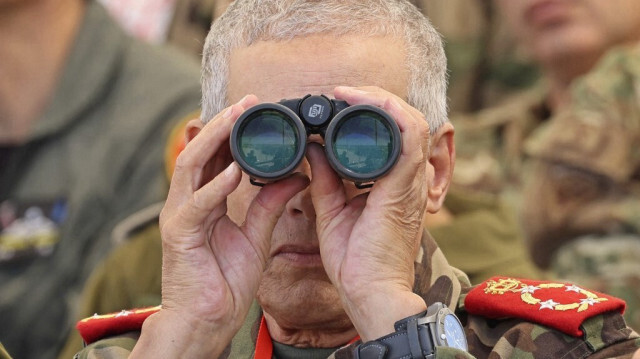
[362,142]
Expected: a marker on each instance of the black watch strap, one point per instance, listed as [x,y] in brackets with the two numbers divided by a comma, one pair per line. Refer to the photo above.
[410,340]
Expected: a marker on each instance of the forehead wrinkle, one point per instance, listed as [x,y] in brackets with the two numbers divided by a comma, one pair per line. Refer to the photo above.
[274,71]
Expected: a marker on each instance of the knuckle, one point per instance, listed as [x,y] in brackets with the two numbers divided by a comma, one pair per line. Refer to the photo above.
[182,162]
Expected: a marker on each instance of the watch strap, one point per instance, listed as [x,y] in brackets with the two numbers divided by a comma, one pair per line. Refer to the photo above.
[410,340]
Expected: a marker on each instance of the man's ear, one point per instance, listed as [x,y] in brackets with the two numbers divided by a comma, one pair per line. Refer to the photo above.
[441,160]
[192,129]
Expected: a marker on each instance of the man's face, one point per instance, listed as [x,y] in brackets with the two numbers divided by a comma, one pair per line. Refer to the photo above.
[294,279]
[552,29]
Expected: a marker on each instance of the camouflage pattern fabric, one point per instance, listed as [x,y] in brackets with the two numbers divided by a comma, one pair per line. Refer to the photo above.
[490,154]
[582,212]
[605,264]
[605,335]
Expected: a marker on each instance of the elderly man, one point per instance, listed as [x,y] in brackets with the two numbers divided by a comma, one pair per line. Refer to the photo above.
[311,265]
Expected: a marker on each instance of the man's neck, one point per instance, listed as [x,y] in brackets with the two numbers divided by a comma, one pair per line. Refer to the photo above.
[36,37]
[329,337]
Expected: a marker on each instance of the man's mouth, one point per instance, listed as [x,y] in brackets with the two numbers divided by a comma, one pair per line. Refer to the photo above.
[304,256]
[547,12]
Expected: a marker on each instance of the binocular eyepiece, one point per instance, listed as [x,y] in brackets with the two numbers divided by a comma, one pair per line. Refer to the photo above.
[362,142]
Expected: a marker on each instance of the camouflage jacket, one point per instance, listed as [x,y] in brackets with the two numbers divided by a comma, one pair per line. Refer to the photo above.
[605,335]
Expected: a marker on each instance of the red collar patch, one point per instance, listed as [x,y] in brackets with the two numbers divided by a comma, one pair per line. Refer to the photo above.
[101,326]
[562,306]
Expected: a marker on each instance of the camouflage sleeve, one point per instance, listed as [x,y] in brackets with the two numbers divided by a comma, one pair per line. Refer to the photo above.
[606,336]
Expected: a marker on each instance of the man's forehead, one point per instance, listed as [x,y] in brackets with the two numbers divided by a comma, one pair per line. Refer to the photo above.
[316,64]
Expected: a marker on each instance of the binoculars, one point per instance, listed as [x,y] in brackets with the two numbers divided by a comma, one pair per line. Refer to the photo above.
[362,142]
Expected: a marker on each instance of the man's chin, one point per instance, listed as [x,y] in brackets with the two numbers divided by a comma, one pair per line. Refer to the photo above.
[303,303]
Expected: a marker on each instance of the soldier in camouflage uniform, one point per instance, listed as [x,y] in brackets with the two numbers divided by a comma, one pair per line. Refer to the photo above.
[226,285]
[568,41]
[582,201]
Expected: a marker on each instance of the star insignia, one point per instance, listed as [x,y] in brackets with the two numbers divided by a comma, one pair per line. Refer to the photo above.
[573,288]
[590,301]
[123,313]
[548,304]
[529,289]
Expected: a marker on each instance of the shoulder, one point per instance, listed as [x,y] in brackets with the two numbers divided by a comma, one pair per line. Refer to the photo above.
[545,319]
[597,131]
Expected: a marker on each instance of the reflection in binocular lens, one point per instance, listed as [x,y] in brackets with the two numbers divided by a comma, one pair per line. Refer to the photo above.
[268,142]
[363,143]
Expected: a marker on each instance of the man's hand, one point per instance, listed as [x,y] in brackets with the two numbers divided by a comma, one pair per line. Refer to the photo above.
[211,265]
[368,244]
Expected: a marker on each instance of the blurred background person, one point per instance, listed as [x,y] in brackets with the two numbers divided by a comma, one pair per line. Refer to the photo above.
[583,165]
[84,114]
[485,66]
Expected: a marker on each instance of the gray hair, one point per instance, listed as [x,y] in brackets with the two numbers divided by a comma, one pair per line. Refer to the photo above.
[249,21]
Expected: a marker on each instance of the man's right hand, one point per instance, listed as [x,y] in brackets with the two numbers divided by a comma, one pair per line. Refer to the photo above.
[211,266]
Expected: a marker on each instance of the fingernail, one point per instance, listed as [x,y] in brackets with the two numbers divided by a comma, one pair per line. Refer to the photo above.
[229,171]
[228,112]
[241,102]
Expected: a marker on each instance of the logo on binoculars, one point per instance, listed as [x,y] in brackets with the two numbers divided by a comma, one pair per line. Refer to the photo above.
[316,110]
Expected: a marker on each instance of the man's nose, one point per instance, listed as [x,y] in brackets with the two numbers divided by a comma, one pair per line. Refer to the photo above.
[301,204]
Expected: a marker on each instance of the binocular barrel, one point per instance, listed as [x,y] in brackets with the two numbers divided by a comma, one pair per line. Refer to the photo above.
[362,142]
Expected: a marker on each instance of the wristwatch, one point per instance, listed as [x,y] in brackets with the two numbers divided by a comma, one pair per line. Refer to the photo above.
[418,336]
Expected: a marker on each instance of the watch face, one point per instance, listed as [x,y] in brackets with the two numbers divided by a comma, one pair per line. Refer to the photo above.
[454,333]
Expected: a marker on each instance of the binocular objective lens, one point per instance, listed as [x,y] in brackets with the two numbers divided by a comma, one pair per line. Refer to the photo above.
[363,142]
[268,141]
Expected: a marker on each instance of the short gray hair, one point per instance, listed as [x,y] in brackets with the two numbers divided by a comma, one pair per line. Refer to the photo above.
[248,21]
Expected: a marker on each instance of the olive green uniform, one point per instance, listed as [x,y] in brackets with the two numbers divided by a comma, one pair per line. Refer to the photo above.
[483,239]
[94,157]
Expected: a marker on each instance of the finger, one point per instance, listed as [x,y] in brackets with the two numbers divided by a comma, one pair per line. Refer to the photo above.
[414,130]
[372,95]
[267,207]
[187,176]
[327,191]
[204,202]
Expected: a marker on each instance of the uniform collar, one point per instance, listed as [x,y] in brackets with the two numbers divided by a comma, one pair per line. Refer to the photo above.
[435,279]
[92,63]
